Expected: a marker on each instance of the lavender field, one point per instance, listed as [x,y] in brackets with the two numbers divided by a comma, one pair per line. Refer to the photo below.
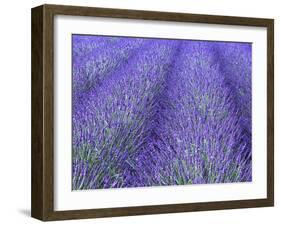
[157,112]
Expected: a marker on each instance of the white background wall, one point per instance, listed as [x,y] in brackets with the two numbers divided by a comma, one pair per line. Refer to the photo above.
[15,112]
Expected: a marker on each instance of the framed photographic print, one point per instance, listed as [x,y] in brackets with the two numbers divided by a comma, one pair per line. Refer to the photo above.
[141,112]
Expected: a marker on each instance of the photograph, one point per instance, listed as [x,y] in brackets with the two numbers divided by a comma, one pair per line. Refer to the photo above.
[138,112]
[160,112]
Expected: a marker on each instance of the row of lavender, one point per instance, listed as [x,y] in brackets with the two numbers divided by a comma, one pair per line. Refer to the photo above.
[150,112]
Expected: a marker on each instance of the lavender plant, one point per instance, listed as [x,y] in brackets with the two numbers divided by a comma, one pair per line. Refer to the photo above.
[150,112]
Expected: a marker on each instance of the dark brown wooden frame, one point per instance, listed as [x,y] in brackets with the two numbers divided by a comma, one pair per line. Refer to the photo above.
[42,202]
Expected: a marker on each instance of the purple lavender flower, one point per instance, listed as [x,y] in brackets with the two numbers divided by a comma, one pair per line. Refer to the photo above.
[150,112]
